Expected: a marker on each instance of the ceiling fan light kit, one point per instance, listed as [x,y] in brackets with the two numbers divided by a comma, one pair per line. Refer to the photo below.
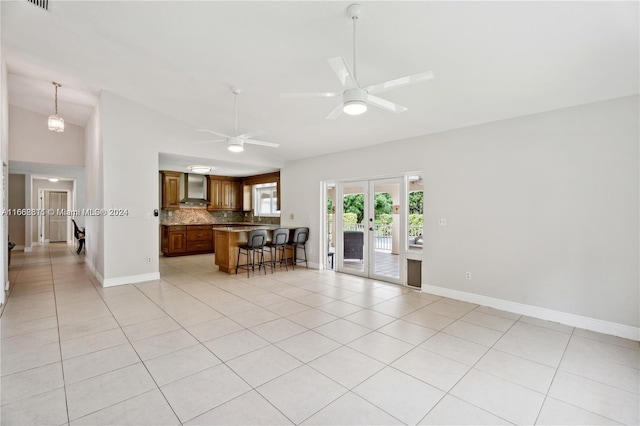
[356,99]
[235,145]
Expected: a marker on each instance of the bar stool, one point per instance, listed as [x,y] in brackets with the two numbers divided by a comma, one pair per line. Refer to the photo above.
[255,245]
[299,241]
[278,245]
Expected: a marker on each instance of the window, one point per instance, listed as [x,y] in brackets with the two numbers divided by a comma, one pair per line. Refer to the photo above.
[416,212]
[265,200]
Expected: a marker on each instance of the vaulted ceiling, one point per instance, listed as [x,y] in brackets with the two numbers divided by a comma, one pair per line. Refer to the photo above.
[491,61]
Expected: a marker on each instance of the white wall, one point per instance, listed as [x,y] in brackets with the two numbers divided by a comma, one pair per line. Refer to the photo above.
[4,157]
[32,141]
[93,197]
[542,210]
[130,181]
[17,200]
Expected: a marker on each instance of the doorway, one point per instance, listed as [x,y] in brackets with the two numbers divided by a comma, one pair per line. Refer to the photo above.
[54,225]
[56,228]
[370,228]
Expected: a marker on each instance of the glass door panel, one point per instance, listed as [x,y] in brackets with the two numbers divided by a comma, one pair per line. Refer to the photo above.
[385,229]
[351,236]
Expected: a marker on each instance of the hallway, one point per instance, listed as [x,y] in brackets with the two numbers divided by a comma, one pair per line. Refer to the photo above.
[200,347]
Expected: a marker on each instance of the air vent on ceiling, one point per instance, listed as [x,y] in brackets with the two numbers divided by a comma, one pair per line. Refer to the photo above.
[40,3]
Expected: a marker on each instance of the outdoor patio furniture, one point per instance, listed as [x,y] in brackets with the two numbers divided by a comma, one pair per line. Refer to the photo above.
[353,245]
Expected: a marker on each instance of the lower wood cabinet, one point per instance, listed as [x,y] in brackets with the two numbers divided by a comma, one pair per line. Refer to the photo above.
[181,240]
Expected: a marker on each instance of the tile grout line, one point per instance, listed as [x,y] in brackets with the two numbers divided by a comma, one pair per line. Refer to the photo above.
[55,301]
[448,392]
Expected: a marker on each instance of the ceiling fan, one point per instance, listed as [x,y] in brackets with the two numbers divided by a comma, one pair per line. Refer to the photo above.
[355,98]
[236,143]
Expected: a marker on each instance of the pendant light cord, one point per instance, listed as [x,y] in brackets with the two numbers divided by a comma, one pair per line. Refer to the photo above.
[236,104]
[355,75]
[56,85]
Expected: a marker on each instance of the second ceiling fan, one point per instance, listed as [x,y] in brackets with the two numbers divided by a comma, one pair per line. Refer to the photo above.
[236,143]
[355,99]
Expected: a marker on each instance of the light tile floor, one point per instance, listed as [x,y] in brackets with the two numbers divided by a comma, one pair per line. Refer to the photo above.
[199,347]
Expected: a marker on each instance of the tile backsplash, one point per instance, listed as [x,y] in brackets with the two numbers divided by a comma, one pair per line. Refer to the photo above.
[202,216]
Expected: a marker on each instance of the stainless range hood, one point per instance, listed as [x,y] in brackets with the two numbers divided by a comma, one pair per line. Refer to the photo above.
[193,190]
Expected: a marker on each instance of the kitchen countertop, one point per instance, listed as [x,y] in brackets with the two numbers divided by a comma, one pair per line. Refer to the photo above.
[217,225]
[244,228]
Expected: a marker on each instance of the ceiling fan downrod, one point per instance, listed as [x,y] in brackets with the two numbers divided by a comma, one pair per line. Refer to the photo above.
[354,10]
[236,91]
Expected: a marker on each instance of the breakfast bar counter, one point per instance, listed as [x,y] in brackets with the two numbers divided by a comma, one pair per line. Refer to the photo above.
[228,238]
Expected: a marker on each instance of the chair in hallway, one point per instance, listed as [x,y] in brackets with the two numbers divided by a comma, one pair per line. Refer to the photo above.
[254,247]
[299,241]
[277,247]
[79,234]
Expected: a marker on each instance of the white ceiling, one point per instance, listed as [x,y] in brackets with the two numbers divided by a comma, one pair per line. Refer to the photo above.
[491,61]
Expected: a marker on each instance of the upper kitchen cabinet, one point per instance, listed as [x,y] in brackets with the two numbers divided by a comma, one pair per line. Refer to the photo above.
[225,193]
[253,183]
[170,190]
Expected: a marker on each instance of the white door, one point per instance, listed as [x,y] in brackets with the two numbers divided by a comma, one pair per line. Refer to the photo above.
[386,230]
[352,209]
[56,227]
[369,231]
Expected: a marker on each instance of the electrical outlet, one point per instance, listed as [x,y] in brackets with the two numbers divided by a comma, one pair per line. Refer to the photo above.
[149,259]
[291,216]
[442,222]
[467,275]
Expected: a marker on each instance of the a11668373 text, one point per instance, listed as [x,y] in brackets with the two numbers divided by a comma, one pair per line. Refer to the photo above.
[65,212]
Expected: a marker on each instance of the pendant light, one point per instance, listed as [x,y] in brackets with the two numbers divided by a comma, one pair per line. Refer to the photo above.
[56,123]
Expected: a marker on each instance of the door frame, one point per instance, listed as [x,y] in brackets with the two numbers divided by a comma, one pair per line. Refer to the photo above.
[42,192]
[404,251]
[339,235]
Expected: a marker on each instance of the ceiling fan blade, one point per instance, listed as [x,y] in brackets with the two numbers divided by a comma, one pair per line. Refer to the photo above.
[335,113]
[384,104]
[263,143]
[217,140]
[215,133]
[253,134]
[340,67]
[310,95]
[399,82]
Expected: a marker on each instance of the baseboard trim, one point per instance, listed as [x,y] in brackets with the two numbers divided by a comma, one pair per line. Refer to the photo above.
[593,324]
[132,279]
[93,270]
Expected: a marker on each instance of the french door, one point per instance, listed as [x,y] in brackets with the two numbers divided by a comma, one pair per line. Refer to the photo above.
[370,233]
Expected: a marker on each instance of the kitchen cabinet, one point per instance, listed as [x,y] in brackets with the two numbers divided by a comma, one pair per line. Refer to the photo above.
[225,193]
[199,239]
[170,190]
[248,183]
[174,240]
[181,240]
